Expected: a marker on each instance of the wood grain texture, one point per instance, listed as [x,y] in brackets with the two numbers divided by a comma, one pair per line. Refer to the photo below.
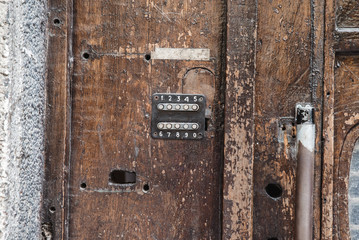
[111,92]
[272,55]
[282,80]
[347,14]
[238,160]
[346,41]
[316,79]
[328,131]
[339,109]
[57,118]
[346,119]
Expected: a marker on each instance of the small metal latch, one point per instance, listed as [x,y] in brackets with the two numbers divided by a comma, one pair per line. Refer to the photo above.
[178,116]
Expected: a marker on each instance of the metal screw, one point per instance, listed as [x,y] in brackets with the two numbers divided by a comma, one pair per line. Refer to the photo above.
[160,106]
[169,126]
[194,126]
[185,107]
[160,125]
[201,99]
[185,126]
[177,126]
[195,107]
[178,107]
[169,106]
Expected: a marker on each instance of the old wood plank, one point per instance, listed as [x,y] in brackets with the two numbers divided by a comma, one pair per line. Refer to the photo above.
[347,14]
[346,41]
[57,118]
[316,78]
[112,88]
[282,80]
[338,120]
[346,119]
[328,131]
[238,160]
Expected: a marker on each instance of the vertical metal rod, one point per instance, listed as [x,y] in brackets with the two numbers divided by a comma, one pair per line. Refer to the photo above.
[305,171]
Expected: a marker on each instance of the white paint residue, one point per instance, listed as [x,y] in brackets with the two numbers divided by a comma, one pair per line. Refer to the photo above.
[306,135]
[353,119]
[198,54]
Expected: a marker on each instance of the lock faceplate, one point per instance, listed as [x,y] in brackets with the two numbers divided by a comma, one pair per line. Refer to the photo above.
[178,116]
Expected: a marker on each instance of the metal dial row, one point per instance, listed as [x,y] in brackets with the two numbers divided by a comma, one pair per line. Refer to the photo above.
[178,107]
[177,126]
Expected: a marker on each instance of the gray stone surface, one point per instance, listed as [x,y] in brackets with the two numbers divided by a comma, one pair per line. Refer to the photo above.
[354,187]
[354,214]
[22,105]
[354,165]
[354,193]
[354,234]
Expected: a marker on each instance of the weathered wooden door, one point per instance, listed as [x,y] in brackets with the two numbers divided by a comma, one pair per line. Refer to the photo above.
[117,181]
[110,176]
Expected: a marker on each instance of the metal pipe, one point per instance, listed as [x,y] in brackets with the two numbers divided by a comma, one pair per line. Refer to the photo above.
[305,172]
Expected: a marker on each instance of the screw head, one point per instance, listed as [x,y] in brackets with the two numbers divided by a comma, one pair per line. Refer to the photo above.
[160,126]
[185,126]
[169,106]
[169,126]
[195,107]
[185,107]
[160,106]
[178,107]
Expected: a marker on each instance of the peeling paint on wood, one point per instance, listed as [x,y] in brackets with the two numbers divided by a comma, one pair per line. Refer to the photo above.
[238,154]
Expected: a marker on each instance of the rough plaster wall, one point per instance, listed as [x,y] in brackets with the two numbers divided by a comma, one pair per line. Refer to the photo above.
[22,94]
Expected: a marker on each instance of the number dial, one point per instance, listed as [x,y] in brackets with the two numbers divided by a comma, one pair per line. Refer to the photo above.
[169,109]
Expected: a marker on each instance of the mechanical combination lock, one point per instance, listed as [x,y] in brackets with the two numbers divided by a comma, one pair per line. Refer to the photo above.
[178,116]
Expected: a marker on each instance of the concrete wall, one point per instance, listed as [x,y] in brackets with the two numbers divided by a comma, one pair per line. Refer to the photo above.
[22,94]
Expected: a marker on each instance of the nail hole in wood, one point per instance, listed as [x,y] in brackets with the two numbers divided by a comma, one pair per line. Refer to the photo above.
[52,209]
[147,57]
[274,190]
[83,185]
[57,21]
[146,188]
[85,55]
